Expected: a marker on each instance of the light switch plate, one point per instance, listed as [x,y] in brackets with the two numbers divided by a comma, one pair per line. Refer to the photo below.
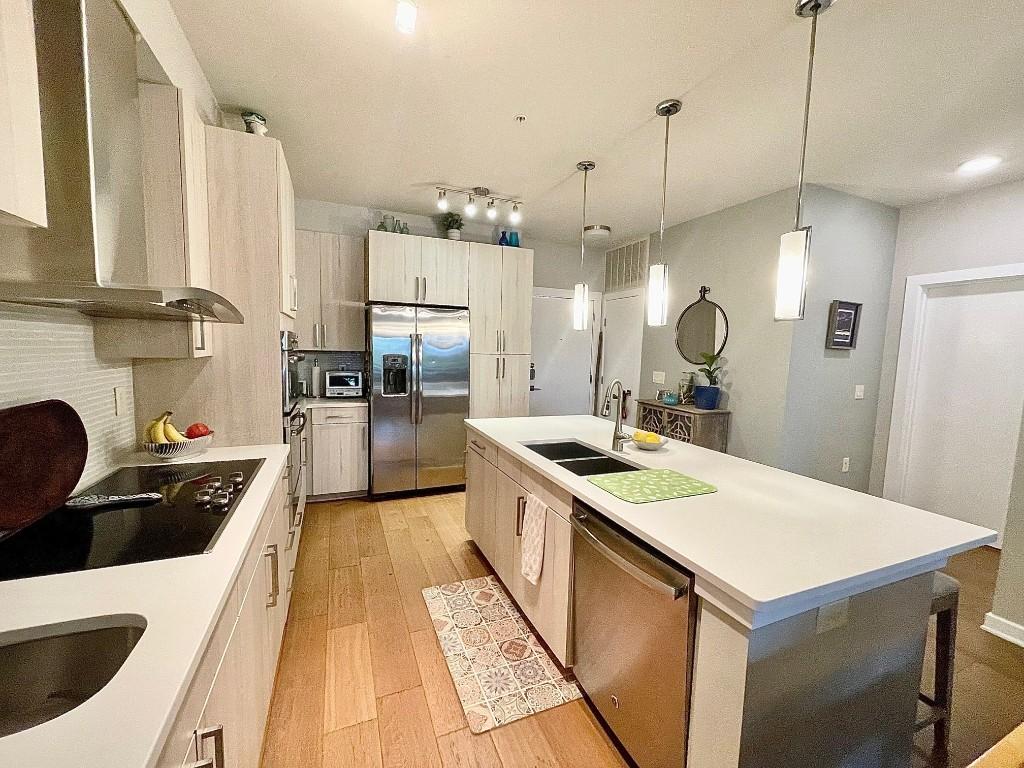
[846,464]
[833,616]
[659,377]
[858,392]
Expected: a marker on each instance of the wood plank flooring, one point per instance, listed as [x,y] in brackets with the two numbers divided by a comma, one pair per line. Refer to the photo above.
[362,682]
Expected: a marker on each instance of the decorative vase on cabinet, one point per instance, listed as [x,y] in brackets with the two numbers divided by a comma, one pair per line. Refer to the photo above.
[454,234]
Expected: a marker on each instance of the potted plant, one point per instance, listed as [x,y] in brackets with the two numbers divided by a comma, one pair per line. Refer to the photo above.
[452,224]
[706,396]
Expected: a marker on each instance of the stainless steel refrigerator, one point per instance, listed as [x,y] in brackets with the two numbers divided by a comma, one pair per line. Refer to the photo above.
[419,397]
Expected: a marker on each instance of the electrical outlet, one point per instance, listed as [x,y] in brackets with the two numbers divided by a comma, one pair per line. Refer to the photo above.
[118,400]
[846,464]
[659,377]
[833,616]
[858,392]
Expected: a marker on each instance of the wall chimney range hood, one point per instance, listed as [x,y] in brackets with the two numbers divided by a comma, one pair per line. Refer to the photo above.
[93,256]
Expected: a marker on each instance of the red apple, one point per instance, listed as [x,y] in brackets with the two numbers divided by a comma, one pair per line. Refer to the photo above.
[197,430]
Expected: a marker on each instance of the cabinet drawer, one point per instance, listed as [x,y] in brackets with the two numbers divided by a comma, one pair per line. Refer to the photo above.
[485,448]
[555,497]
[354,414]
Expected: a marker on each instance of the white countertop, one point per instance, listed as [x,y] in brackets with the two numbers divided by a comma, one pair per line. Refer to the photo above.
[330,402]
[126,722]
[769,544]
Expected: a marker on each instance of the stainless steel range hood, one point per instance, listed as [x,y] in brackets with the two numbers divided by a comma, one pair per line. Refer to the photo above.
[93,255]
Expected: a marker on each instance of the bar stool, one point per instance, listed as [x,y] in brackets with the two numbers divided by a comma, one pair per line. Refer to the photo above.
[945,601]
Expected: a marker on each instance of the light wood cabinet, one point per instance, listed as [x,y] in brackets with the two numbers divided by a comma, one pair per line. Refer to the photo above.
[286,236]
[687,423]
[409,269]
[499,386]
[500,299]
[331,312]
[22,185]
[177,213]
[339,451]
[483,477]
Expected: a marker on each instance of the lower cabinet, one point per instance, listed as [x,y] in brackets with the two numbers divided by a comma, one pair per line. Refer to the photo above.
[339,451]
[225,710]
[495,508]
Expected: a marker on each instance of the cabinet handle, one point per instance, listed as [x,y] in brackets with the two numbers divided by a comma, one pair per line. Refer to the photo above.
[316,335]
[481,447]
[424,288]
[504,342]
[303,457]
[291,578]
[201,346]
[295,293]
[291,539]
[323,334]
[503,367]
[497,340]
[417,281]
[520,514]
[275,582]
[497,367]
[215,732]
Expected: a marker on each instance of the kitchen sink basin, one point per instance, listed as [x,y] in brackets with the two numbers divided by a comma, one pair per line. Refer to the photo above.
[602,465]
[47,671]
[569,449]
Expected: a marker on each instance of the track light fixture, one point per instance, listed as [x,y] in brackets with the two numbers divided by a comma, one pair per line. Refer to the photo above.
[492,212]
[442,200]
[515,217]
[471,208]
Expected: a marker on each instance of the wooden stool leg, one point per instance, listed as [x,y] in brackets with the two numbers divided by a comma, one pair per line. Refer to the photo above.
[945,653]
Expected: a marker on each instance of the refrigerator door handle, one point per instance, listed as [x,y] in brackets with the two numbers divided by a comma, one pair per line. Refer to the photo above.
[414,368]
[419,376]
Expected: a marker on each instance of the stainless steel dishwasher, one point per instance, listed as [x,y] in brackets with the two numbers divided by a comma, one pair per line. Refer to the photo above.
[633,629]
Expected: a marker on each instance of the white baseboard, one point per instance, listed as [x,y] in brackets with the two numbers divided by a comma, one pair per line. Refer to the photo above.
[1000,627]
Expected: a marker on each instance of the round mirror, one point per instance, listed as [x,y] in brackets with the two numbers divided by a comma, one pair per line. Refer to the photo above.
[702,327]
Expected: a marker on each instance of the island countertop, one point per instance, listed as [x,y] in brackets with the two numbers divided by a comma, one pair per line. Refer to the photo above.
[768,544]
[179,600]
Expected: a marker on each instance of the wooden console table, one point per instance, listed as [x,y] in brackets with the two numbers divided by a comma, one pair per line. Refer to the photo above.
[708,429]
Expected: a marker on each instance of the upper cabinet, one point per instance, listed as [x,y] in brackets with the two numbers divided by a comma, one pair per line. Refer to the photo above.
[409,269]
[331,313]
[500,299]
[22,188]
[286,242]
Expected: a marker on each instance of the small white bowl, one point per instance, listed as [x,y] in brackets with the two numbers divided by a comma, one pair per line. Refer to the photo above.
[171,451]
[650,446]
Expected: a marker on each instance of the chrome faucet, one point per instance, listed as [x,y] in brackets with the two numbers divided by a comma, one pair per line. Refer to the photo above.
[618,436]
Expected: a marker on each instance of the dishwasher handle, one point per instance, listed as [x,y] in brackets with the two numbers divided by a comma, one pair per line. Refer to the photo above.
[638,563]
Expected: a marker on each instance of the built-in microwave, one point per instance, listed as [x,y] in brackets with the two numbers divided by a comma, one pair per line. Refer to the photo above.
[344,384]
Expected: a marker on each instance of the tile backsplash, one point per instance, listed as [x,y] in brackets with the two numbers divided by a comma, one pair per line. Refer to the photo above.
[331,361]
[46,355]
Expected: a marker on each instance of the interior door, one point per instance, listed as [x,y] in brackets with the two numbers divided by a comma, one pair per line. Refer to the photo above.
[307,268]
[443,383]
[623,339]
[562,357]
[392,431]
[966,411]
[341,292]
[485,297]
[516,300]
[445,269]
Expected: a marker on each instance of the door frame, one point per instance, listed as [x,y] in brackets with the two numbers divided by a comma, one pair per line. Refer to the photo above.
[597,319]
[908,364]
[637,291]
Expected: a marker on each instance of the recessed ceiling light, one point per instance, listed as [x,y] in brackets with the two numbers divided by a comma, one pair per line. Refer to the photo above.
[979,165]
[405,16]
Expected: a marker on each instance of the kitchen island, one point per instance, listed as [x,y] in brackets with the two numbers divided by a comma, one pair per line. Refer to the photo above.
[812,599]
[208,630]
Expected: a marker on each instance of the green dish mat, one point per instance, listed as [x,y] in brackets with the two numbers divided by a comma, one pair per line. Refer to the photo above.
[651,485]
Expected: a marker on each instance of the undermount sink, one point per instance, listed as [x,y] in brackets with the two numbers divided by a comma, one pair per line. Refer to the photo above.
[48,671]
[580,459]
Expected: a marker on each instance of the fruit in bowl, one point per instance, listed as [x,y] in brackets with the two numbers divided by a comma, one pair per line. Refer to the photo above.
[648,441]
[163,440]
[197,430]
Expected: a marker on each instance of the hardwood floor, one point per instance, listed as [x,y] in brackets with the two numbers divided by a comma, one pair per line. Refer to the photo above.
[362,682]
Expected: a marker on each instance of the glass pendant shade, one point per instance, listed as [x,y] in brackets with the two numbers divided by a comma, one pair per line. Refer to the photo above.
[791,280]
[657,295]
[580,307]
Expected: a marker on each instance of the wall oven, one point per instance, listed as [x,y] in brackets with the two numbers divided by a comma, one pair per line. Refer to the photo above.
[291,390]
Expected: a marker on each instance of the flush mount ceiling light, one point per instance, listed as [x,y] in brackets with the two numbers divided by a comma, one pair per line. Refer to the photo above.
[471,208]
[581,291]
[979,165]
[795,246]
[405,16]
[597,232]
[657,274]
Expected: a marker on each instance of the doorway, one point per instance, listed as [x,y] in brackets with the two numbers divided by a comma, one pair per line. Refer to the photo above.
[959,395]
[561,375]
[623,340]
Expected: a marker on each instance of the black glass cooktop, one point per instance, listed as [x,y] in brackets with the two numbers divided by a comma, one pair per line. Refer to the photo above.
[195,503]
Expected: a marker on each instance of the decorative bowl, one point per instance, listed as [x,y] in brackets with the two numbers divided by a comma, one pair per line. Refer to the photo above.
[182,450]
[650,446]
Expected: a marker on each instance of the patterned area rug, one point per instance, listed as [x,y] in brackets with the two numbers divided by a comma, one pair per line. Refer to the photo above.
[501,670]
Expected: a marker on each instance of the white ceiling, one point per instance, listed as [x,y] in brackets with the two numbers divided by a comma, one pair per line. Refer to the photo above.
[904,92]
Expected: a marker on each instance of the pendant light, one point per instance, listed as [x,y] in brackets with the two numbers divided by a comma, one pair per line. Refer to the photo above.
[657,274]
[795,246]
[581,291]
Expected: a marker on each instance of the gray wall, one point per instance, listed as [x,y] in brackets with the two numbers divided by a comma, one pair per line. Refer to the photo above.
[557,265]
[853,242]
[734,252]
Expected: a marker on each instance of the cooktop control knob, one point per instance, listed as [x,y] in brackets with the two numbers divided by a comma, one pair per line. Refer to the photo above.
[221,499]
[236,478]
[204,497]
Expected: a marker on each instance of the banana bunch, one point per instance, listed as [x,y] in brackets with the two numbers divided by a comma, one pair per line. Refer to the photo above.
[160,430]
